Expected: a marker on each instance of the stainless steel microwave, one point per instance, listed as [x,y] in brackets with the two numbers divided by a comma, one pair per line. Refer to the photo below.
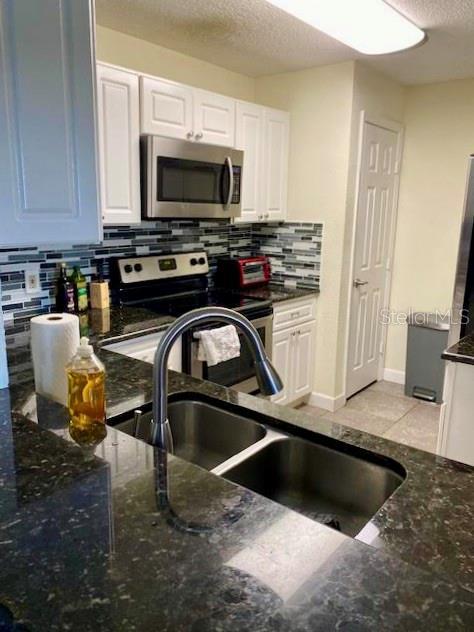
[187,179]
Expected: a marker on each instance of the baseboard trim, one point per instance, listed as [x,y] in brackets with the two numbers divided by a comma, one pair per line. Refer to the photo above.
[394,375]
[325,401]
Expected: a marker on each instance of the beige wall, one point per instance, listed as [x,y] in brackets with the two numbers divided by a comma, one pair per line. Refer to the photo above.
[121,49]
[439,136]
[320,104]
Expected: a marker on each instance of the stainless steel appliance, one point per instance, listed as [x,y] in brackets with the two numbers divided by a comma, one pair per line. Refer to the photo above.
[462,317]
[188,179]
[177,283]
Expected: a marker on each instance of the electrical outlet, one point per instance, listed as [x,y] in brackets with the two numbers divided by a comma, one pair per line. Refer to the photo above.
[32,281]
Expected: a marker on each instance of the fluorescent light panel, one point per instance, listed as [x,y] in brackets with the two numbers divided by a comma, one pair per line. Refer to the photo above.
[369,26]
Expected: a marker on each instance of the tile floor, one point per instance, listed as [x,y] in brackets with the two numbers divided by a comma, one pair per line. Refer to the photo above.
[383,409]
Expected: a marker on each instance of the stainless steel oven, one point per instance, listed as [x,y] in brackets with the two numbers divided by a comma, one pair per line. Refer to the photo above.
[238,373]
[188,179]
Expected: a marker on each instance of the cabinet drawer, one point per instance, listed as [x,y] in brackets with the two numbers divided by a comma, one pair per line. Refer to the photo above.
[293,313]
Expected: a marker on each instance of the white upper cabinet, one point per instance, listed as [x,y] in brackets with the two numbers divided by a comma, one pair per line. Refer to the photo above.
[119,145]
[249,137]
[263,134]
[166,108]
[178,111]
[214,118]
[277,128]
[48,169]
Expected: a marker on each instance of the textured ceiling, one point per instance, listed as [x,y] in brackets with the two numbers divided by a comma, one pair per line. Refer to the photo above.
[255,38]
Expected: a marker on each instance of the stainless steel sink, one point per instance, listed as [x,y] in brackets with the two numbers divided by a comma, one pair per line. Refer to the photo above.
[202,433]
[327,480]
[331,486]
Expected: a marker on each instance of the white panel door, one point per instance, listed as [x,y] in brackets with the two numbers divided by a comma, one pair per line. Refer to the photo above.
[166,108]
[375,211]
[48,168]
[119,145]
[249,131]
[303,360]
[214,118]
[277,126]
[282,352]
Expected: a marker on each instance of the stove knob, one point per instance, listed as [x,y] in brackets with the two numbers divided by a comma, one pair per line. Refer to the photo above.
[138,267]
[194,261]
[202,261]
[128,268]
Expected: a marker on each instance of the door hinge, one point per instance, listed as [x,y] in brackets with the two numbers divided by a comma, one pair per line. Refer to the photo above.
[381,347]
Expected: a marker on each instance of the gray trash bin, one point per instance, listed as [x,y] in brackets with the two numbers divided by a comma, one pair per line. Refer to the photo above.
[427,339]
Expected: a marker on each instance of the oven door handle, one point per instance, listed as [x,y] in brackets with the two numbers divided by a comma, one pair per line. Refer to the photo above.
[228,164]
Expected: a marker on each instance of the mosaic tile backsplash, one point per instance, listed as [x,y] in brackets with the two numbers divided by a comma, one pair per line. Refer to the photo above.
[294,250]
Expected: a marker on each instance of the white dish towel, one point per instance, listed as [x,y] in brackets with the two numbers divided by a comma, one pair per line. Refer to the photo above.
[218,345]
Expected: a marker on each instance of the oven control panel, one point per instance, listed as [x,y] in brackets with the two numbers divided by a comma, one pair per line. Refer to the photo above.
[156,268]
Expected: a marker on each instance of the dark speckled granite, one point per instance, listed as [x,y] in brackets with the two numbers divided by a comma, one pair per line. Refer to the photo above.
[277,293]
[97,542]
[462,351]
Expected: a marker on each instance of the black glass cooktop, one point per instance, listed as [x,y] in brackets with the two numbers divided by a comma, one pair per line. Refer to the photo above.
[180,304]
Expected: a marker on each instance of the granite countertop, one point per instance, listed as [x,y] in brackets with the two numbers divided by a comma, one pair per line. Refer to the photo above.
[462,351]
[277,293]
[96,541]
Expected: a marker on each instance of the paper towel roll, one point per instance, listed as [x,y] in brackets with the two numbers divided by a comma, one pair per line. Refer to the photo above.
[54,340]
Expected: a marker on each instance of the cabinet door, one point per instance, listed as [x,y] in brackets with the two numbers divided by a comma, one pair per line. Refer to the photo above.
[249,130]
[119,145]
[166,108]
[282,351]
[277,126]
[48,169]
[303,361]
[214,118]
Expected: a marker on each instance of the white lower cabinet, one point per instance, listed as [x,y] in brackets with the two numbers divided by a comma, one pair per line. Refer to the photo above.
[282,360]
[303,360]
[293,352]
[456,433]
[143,348]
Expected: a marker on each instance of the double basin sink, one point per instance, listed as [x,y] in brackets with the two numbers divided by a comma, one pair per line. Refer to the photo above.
[324,479]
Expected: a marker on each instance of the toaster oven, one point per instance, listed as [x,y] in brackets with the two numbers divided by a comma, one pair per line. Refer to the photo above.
[242,272]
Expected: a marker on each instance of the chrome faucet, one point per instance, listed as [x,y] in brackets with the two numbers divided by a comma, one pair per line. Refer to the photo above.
[268,379]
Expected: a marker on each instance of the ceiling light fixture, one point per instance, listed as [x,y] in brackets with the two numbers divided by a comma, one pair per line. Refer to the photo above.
[369,26]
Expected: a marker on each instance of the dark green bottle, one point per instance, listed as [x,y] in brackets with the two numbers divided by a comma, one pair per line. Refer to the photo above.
[64,292]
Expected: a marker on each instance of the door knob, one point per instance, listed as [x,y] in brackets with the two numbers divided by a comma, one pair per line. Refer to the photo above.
[189,134]
[198,136]
[358,282]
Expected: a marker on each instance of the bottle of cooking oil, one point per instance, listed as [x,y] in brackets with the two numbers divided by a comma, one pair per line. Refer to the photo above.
[86,396]
[79,283]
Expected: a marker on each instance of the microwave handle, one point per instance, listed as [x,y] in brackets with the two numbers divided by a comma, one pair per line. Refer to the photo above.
[228,164]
